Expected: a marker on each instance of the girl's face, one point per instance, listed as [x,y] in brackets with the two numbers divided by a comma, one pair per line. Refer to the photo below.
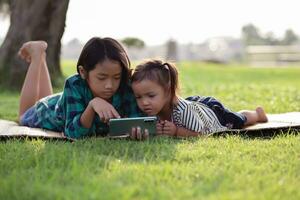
[104,79]
[151,97]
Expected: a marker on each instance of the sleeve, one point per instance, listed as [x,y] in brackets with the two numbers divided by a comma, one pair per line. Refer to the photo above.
[191,120]
[75,106]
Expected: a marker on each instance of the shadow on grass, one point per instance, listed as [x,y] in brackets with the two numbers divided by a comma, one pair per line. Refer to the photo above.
[153,150]
[98,153]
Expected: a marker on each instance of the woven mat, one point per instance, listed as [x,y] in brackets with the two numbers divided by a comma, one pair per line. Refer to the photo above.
[10,129]
[277,123]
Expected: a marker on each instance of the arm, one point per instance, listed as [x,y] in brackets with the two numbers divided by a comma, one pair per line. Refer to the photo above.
[192,124]
[169,128]
[75,106]
[79,115]
[97,105]
[87,116]
[183,132]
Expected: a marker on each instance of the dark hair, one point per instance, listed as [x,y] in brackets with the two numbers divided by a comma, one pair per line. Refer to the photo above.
[163,73]
[97,50]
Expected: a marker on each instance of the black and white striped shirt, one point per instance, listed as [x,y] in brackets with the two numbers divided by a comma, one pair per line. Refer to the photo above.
[196,117]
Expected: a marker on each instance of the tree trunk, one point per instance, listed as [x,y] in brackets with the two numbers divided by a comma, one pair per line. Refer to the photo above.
[32,20]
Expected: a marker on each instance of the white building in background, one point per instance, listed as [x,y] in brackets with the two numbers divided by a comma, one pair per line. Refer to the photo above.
[273,55]
[222,49]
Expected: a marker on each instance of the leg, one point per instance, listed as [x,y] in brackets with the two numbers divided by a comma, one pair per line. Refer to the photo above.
[254,116]
[33,52]
[45,81]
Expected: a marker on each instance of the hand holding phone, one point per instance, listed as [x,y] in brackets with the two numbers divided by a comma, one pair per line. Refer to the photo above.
[123,126]
[137,134]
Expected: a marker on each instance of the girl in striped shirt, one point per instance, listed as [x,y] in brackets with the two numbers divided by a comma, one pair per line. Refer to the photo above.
[155,86]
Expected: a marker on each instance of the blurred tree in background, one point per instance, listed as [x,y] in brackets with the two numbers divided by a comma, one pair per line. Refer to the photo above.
[251,35]
[133,42]
[290,37]
[31,20]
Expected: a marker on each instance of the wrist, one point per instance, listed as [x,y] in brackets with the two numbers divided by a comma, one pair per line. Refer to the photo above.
[91,104]
[176,131]
[94,101]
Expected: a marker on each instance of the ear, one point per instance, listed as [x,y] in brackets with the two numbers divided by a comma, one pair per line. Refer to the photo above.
[82,72]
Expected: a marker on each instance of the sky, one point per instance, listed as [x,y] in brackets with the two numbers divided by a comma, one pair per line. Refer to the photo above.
[187,21]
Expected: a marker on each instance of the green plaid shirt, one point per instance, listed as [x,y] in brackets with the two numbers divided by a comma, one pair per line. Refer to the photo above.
[62,111]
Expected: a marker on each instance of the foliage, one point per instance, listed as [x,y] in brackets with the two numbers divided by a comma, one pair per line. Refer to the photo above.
[252,36]
[133,42]
[290,37]
[26,25]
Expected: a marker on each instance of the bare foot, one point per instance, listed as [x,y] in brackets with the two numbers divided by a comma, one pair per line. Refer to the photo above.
[31,49]
[262,117]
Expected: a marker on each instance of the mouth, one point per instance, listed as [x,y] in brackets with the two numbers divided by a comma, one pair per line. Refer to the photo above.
[147,111]
[108,93]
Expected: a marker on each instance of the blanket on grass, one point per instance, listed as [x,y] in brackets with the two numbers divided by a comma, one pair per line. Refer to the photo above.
[278,123]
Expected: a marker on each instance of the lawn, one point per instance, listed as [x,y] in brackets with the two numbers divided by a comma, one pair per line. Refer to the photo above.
[225,167]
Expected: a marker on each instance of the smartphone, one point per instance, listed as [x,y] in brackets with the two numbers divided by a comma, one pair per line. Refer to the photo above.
[121,127]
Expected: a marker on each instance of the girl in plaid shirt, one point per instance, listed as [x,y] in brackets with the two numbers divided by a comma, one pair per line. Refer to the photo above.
[98,92]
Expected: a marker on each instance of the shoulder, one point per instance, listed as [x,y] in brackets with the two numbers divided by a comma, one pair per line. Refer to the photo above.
[75,83]
[76,87]
[181,105]
[74,80]
[179,110]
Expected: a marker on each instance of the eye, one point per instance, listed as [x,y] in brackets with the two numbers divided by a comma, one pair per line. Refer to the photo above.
[151,95]
[101,78]
[117,77]
[137,97]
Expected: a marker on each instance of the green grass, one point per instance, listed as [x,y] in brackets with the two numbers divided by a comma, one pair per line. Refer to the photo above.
[227,167]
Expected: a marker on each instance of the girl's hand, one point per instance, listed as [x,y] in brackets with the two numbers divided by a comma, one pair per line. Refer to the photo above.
[159,127]
[104,109]
[169,128]
[136,134]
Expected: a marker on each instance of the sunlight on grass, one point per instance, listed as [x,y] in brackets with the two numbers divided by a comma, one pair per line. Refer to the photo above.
[224,167]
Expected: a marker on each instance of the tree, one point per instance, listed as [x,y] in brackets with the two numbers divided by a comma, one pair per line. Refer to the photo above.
[251,35]
[32,20]
[270,39]
[133,42]
[289,37]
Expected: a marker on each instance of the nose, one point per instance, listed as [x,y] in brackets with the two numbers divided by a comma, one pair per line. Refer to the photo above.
[108,84]
[145,102]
